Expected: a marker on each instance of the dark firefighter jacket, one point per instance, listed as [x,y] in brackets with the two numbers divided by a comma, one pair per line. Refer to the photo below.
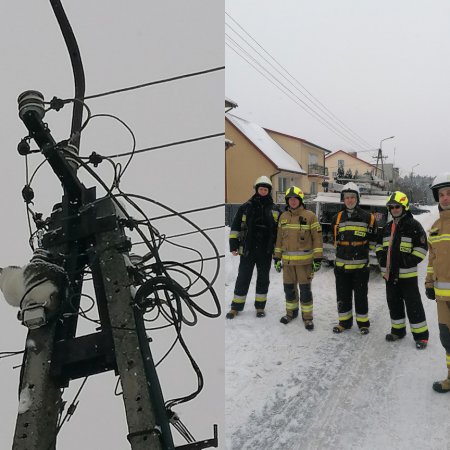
[354,236]
[409,247]
[255,224]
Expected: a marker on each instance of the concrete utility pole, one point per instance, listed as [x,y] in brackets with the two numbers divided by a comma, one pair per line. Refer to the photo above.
[85,226]
[380,156]
[88,232]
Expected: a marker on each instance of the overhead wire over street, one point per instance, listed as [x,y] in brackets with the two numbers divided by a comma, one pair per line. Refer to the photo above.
[283,80]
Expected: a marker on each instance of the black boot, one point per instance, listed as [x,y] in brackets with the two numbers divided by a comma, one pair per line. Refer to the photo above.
[231,314]
[260,313]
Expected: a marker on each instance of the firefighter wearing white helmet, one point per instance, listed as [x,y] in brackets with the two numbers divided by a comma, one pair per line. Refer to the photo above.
[252,236]
[354,234]
[350,188]
[402,245]
[437,282]
[299,251]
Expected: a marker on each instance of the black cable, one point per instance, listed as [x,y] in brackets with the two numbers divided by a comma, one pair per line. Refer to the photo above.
[194,226]
[157,147]
[131,154]
[190,211]
[152,83]
[167,353]
[193,232]
[288,92]
[9,354]
[317,103]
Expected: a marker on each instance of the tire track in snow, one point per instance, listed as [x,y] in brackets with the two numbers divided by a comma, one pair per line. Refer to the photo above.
[321,396]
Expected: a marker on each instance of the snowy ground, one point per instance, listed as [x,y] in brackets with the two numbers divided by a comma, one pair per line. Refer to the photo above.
[287,388]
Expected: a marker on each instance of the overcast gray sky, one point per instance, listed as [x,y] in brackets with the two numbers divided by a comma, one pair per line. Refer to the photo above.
[122,44]
[381,68]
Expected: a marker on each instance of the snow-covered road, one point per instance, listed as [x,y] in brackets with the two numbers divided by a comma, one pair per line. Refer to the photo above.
[287,388]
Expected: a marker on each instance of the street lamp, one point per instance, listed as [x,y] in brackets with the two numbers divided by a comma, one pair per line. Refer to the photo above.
[380,155]
[385,139]
[412,169]
[412,187]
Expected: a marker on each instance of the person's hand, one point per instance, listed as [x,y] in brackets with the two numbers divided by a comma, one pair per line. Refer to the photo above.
[317,264]
[429,292]
[235,253]
[277,264]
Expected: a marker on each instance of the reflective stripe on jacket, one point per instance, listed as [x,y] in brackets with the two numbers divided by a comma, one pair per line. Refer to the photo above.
[299,237]
[257,212]
[438,270]
[354,236]
[409,247]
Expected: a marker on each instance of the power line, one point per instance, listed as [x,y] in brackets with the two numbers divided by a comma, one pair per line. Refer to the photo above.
[157,147]
[314,100]
[153,83]
[314,114]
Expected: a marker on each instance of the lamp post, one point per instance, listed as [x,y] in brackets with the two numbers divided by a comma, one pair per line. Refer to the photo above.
[380,154]
[412,187]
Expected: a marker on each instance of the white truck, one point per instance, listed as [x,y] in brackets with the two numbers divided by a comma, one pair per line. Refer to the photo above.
[327,204]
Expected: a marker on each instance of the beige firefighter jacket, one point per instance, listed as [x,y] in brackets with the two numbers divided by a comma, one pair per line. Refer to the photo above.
[299,237]
[438,270]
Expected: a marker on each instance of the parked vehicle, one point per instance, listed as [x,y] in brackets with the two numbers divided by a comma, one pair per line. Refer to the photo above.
[415,210]
[327,204]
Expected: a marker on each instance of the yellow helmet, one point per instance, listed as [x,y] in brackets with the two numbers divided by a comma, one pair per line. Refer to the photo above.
[398,198]
[294,191]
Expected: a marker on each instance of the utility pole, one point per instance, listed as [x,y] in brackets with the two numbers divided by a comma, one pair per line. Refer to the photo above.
[57,356]
[380,156]
[88,232]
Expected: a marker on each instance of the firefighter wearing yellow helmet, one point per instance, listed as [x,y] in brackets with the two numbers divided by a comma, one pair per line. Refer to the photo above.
[402,245]
[437,282]
[298,251]
[252,236]
[354,234]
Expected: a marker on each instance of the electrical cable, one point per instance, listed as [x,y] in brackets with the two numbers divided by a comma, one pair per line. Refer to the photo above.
[288,92]
[171,144]
[11,353]
[317,103]
[132,153]
[190,211]
[153,83]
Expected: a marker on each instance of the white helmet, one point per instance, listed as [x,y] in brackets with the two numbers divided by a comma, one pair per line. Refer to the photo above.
[264,182]
[350,187]
[442,180]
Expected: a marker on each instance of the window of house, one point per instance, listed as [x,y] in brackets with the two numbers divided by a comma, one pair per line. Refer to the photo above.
[282,184]
[313,188]
[313,159]
[341,163]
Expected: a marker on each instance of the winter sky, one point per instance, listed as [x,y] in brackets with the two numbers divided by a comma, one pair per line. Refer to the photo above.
[121,44]
[381,68]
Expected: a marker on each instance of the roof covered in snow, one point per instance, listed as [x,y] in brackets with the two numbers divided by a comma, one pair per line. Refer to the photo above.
[261,139]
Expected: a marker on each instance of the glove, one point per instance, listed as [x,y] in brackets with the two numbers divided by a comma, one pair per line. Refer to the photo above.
[317,264]
[429,292]
[277,264]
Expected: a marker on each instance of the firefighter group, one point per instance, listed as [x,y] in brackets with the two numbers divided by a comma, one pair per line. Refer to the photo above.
[292,239]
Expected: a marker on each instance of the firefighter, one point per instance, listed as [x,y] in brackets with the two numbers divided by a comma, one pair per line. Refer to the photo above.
[252,235]
[437,282]
[299,252]
[354,234]
[402,244]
